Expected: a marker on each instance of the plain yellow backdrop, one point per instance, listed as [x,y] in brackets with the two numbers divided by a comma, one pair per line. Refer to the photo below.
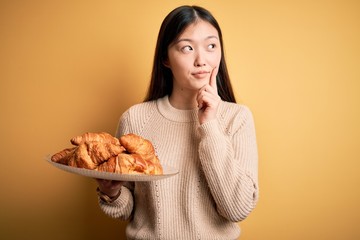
[68,67]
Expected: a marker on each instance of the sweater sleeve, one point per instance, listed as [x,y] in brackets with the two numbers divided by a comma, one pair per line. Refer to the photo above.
[230,164]
[122,207]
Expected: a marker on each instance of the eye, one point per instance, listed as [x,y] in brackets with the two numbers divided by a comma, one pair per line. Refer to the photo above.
[187,49]
[212,46]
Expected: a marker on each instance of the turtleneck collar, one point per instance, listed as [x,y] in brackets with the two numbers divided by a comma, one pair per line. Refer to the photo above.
[174,114]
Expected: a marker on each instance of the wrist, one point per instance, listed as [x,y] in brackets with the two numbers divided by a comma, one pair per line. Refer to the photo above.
[107,198]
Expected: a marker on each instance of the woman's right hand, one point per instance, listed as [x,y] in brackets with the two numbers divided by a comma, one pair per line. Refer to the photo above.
[109,187]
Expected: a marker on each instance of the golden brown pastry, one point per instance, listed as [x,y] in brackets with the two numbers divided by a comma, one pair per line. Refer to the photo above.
[63,156]
[138,145]
[87,155]
[81,158]
[102,137]
[155,166]
[131,154]
[135,144]
[100,152]
[111,165]
[128,164]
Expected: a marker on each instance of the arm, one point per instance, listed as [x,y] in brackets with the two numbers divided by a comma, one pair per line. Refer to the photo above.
[122,206]
[230,163]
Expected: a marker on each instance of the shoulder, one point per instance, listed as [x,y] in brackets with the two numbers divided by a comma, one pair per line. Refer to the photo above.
[235,116]
[140,108]
[229,109]
[135,117]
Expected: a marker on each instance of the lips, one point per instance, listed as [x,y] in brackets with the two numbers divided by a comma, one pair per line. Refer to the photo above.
[200,74]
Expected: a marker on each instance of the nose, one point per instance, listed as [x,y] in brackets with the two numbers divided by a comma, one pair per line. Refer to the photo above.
[199,60]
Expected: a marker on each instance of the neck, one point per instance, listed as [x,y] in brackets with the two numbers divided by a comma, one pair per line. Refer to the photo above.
[183,100]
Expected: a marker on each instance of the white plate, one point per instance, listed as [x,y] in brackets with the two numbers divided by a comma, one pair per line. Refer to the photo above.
[167,172]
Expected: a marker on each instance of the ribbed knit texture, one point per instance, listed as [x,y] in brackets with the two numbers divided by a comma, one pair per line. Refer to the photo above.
[217,184]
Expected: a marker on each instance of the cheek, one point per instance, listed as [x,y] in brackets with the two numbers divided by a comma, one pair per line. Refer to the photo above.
[180,65]
[216,59]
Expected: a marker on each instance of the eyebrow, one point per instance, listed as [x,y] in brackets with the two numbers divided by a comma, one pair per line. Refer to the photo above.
[190,40]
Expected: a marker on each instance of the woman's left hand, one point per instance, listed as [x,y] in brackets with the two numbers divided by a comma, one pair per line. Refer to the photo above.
[208,99]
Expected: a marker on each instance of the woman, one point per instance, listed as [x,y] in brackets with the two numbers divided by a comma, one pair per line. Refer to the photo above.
[191,117]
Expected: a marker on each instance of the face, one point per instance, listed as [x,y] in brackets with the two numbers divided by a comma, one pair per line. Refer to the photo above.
[193,56]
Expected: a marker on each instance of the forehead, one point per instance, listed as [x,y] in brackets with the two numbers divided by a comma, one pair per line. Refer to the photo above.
[198,30]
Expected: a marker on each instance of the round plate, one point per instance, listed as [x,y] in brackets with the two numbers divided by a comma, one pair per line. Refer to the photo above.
[167,172]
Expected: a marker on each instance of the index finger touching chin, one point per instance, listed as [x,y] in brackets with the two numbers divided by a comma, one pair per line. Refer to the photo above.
[214,73]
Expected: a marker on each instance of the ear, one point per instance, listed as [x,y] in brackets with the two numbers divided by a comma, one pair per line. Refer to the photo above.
[166,63]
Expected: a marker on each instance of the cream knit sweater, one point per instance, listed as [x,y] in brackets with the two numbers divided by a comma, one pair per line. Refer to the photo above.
[217,184]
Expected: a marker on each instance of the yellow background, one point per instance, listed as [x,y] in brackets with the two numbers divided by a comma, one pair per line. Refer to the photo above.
[68,67]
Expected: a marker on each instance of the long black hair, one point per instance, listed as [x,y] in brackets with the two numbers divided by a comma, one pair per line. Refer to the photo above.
[173,25]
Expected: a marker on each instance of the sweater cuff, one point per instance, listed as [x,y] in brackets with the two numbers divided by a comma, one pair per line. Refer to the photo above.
[123,198]
[121,207]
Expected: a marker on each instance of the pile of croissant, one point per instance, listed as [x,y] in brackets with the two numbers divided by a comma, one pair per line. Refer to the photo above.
[129,154]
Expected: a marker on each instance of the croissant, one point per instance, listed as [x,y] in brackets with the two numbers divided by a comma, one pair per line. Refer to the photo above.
[102,152]
[135,144]
[63,156]
[155,166]
[81,158]
[111,165]
[102,137]
[138,145]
